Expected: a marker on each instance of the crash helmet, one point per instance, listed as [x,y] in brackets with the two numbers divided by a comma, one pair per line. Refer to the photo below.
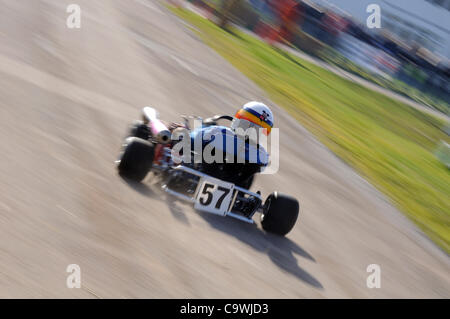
[253,115]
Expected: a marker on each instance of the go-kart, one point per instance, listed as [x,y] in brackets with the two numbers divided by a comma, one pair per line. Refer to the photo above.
[221,188]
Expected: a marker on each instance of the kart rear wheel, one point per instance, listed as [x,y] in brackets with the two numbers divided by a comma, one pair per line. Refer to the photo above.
[280,214]
[136,159]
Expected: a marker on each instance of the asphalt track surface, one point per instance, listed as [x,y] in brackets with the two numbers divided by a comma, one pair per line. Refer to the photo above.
[66,98]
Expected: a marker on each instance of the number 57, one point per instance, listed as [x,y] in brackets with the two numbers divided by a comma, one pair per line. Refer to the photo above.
[208,192]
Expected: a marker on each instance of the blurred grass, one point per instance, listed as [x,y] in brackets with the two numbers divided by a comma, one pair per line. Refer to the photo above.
[388,142]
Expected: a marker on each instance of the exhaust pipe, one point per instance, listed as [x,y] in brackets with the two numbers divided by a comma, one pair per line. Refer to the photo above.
[160,132]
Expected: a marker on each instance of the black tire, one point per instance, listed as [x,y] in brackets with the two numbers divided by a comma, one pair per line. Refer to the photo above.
[139,129]
[280,213]
[136,159]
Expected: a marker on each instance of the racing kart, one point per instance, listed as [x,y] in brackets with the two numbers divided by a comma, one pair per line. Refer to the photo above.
[217,188]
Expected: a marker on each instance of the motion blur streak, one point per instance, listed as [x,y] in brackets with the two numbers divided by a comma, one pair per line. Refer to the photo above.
[66,97]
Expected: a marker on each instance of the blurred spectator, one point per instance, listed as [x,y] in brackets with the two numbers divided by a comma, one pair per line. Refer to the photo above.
[225,11]
[291,14]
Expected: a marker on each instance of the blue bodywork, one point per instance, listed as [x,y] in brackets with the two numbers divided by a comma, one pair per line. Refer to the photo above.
[222,137]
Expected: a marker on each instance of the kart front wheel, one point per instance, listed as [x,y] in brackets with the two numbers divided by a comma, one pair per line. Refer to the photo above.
[280,214]
[136,159]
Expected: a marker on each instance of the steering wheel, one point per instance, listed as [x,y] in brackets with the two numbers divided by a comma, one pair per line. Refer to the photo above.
[213,120]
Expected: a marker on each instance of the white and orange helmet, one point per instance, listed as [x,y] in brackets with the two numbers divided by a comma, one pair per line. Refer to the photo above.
[253,114]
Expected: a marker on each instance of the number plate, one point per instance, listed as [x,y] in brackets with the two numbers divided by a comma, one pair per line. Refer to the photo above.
[214,196]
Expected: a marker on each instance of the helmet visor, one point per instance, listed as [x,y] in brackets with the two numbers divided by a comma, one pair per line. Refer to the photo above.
[244,124]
